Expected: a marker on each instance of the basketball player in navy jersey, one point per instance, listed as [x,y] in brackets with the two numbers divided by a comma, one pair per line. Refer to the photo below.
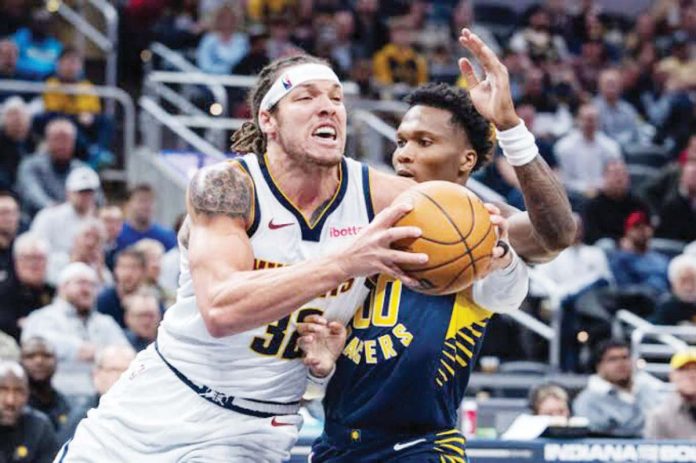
[404,369]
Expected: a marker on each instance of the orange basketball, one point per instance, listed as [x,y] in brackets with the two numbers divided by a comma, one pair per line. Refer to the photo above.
[458,236]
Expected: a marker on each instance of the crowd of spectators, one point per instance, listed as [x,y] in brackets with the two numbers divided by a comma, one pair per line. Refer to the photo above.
[84,281]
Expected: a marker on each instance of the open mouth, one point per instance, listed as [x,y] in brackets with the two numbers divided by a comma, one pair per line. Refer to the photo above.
[326,132]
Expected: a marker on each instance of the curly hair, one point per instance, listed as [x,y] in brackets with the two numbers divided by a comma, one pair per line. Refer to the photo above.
[464,115]
[249,138]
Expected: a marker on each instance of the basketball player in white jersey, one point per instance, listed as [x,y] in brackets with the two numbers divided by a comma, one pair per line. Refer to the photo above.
[269,240]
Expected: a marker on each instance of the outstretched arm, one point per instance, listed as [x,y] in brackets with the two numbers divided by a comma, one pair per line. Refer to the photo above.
[231,296]
[548,227]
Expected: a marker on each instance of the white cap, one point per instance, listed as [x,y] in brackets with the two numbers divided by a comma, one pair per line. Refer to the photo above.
[82,178]
[75,270]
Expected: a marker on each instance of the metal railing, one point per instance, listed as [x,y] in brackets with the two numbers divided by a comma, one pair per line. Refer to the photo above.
[665,341]
[157,79]
[109,93]
[106,41]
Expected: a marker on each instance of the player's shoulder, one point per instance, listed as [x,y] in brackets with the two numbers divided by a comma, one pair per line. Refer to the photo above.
[224,188]
[385,187]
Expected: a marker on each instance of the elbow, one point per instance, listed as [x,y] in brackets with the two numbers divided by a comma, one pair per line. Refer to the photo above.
[220,321]
[561,237]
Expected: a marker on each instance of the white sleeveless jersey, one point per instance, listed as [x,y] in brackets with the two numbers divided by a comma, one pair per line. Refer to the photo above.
[264,363]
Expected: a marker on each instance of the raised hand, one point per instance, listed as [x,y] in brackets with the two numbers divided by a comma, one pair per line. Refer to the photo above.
[321,342]
[491,96]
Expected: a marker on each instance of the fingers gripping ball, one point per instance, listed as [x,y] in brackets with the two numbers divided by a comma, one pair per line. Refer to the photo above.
[457,236]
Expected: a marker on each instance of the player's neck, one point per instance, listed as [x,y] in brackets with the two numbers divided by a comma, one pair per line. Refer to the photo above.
[307,186]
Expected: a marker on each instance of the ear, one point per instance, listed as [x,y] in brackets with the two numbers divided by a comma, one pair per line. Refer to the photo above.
[267,122]
[467,161]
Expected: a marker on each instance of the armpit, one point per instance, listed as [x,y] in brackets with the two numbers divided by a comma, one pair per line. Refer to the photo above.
[220,189]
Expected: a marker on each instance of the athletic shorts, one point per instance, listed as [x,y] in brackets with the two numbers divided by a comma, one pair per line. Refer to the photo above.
[150,415]
[340,444]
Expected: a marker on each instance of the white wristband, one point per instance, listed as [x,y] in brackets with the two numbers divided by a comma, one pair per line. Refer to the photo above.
[518,144]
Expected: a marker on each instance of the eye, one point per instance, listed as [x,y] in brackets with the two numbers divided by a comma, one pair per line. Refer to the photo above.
[400,142]
[424,142]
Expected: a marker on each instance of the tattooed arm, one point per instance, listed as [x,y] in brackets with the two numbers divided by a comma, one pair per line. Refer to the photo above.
[230,296]
[547,227]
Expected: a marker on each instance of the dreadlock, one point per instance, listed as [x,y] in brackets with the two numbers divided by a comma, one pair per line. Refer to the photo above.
[249,138]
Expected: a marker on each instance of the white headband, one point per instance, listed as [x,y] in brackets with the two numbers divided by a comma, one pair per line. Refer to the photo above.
[293,77]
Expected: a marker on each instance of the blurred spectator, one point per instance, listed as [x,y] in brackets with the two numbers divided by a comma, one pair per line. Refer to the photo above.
[576,267]
[140,224]
[169,277]
[84,109]
[605,214]
[130,277]
[179,26]
[617,118]
[15,14]
[587,66]
[398,62]
[257,56]
[635,267]
[279,44]
[643,32]
[680,63]
[9,349]
[575,282]
[88,248]
[8,68]
[551,119]
[153,252]
[616,400]
[225,45]
[676,418]
[38,48]
[142,316]
[665,186]
[537,40]
[27,290]
[463,16]
[549,400]
[261,10]
[680,306]
[74,328]
[110,363]
[14,139]
[42,176]
[39,361]
[25,434]
[678,213]
[371,33]
[59,225]
[112,218]
[339,41]
[583,154]
[9,224]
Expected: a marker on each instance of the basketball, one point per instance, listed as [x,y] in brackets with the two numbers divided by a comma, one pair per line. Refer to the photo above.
[458,236]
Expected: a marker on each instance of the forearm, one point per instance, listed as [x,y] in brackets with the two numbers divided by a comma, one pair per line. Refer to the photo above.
[503,290]
[552,226]
[547,204]
[251,299]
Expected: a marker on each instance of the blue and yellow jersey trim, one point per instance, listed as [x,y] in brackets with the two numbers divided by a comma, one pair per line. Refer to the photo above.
[467,325]
[450,445]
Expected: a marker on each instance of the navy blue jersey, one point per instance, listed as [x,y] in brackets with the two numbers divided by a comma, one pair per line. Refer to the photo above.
[407,360]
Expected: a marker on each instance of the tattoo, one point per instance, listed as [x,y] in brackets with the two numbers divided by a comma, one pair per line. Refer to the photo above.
[547,204]
[184,232]
[220,189]
[317,212]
